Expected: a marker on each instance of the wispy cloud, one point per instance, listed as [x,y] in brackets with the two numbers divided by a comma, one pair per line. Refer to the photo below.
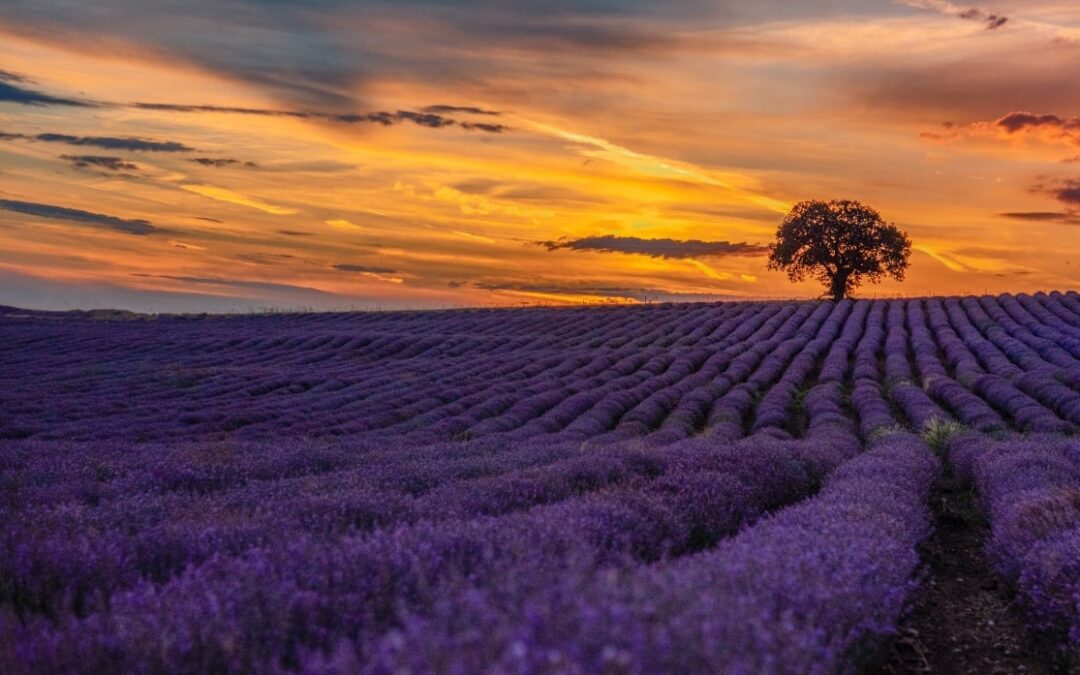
[657,248]
[9,76]
[473,237]
[116,143]
[557,290]
[265,258]
[429,117]
[1062,217]
[128,226]
[129,143]
[990,20]
[348,267]
[12,93]
[221,162]
[993,21]
[432,116]
[710,272]
[186,245]
[342,224]
[466,109]
[231,197]
[948,261]
[235,283]
[107,163]
[377,273]
[594,147]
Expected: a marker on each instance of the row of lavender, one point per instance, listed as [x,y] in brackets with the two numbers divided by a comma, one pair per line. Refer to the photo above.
[570,586]
[994,364]
[1029,488]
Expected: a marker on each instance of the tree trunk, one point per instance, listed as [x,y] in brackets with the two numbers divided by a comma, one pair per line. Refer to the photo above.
[838,287]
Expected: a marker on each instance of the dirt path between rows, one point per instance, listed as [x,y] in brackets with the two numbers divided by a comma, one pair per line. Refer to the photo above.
[963,621]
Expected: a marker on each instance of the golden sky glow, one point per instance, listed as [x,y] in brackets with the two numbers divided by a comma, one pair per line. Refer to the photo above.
[336,154]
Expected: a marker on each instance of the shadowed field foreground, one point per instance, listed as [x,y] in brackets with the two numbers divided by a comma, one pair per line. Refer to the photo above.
[733,487]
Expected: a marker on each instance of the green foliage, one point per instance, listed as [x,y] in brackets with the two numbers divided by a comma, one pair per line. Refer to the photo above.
[937,433]
[881,432]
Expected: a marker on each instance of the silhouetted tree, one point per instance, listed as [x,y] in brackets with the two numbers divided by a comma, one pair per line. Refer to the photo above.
[840,243]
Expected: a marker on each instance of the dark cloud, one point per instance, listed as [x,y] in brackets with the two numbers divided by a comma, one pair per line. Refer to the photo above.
[8,76]
[12,93]
[100,162]
[657,248]
[218,163]
[209,220]
[265,258]
[1065,217]
[115,143]
[363,269]
[427,117]
[470,110]
[181,108]
[424,119]
[295,233]
[79,216]
[430,116]
[182,245]
[1017,121]
[989,19]
[129,143]
[483,126]
[1068,192]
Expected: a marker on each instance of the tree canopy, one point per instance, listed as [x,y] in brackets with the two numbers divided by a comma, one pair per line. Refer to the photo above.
[840,243]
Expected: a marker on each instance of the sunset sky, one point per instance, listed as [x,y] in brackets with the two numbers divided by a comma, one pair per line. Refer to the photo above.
[224,155]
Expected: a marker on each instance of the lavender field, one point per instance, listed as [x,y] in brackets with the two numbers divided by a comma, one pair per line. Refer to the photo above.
[731,487]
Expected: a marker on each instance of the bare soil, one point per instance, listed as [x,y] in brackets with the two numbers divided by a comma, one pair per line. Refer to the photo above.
[963,621]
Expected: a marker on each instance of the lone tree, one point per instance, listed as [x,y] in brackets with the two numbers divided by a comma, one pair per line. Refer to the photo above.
[840,243]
